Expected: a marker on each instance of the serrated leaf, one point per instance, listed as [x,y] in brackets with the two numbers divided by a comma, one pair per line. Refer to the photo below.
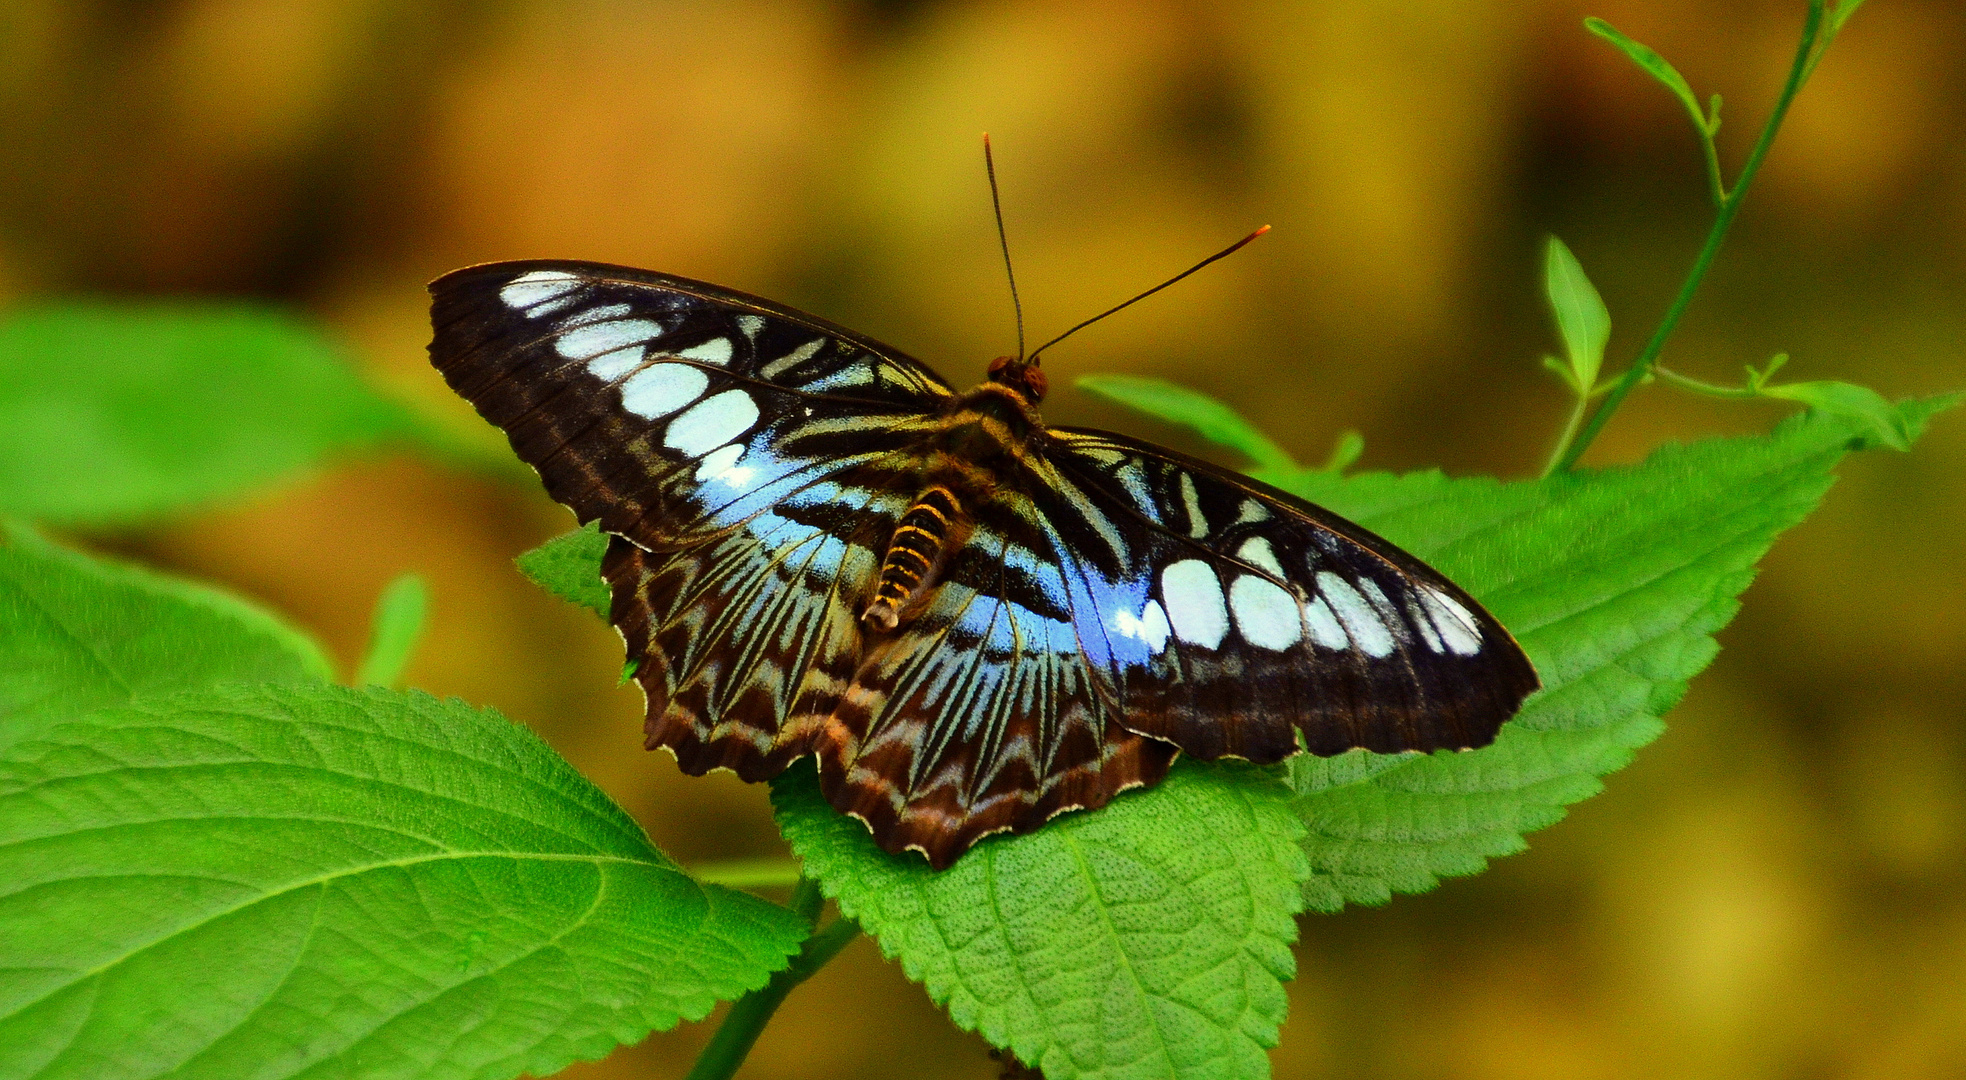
[276,880]
[78,634]
[1614,581]
[1209,417]
[569,567]
[1147,940]
[1879,419]
[110,413]
[1654,65]
[1581,317]
[394,630]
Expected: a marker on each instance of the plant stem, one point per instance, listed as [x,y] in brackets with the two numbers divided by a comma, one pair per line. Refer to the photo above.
[1716,185]
[1729,206]
[749,1014]
[1697,386]
[748,873]
[1569,432]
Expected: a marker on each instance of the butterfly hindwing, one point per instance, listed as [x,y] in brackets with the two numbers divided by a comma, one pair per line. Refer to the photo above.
[668,409]
[980,715]
[1231,618]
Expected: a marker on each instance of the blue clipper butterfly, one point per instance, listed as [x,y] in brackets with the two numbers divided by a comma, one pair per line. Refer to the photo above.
[974,621]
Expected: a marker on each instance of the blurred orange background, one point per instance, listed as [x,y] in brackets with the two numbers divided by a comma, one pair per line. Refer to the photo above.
[1776,888]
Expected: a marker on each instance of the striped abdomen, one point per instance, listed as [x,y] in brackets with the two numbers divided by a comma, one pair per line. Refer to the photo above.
[912,555]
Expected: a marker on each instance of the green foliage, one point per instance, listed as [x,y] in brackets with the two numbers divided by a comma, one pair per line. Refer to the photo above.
[1177,404]
[569,567]
[1581,317]
[1876,417]
[1880,421]
[217,864]
[272,878]
[1615,581]
[1656,66]
[1148,939]
[78,634]
[168,404]
[394,630]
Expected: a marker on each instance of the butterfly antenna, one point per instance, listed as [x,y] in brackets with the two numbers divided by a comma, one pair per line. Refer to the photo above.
[1003,241]
[1222,254]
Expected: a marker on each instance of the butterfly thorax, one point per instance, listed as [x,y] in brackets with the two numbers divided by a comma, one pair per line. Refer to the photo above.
[982,436]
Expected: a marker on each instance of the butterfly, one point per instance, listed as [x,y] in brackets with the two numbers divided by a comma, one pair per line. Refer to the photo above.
[974,621]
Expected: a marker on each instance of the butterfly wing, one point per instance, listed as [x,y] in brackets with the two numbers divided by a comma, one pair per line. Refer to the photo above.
[979,714]
[749,459]
[668,409]
[1233,619]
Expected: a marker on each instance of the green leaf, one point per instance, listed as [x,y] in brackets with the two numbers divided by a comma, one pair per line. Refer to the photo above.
[569,567]
[1346,452]
[1210,418]
[1148,939]
[1839,13]
[1614,581]
[1656,66]
[1878,418]
[115,412]
[395,629]
[1581,317]
[78,633]
[275,880]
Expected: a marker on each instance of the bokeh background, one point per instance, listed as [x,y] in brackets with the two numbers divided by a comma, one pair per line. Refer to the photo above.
[1777,888]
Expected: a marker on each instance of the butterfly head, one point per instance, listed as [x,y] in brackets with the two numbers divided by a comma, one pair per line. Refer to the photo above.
[1023,376]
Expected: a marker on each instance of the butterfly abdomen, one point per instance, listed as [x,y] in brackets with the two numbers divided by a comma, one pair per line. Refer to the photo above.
[914,553]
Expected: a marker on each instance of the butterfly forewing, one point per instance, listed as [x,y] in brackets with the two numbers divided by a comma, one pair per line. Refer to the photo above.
[1236,619]
[1093,605]
[666,408]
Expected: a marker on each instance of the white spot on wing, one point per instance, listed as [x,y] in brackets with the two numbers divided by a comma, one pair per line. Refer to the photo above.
[1256,551]
[796,356]
[1367,631]
[750,324]
[1150,626]
[608,367]
[1194,602]
[528,291]
[595,314]
[593,339]
[721,464]
[1251,510]
[1191,502]
[1417,612]
[662,389]
[1324,626]
[713,351]
[1388,614]
[1458,628]
[712,422]
[1265,614]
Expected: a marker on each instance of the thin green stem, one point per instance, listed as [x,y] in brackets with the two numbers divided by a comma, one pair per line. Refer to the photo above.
[748,873]
[749,1014]
[1729,207]
[1698,386]
[1576,421]
[1716,184]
